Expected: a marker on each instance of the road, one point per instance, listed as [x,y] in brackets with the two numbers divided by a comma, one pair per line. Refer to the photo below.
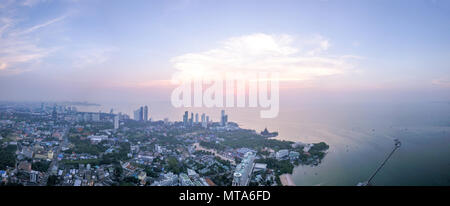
[55,157]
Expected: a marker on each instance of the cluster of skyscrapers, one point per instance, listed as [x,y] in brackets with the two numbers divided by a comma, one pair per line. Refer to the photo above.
[141,114]
[191,121]
[204,119]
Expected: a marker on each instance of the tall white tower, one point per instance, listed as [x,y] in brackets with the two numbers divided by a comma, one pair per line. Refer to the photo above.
[116,122]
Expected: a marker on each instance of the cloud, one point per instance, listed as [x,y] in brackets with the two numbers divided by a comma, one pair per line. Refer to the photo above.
[19,50]
[318,43]
[22,48]
[442,82]
[92,56]
[6,3]
[178,5]
[302,60]
[39,26]
[31,3]
[2,66]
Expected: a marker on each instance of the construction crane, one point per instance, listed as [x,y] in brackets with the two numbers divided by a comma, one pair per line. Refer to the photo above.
[397,145]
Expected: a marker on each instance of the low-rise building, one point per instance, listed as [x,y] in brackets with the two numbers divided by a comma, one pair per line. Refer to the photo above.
[282,154]
[24,165]
[294,155]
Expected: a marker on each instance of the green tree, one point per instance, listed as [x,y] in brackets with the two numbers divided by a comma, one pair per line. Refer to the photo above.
[7,157]
[52,180]
[41,166]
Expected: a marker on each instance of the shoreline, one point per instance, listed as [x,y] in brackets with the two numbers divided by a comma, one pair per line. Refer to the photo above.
[286,180]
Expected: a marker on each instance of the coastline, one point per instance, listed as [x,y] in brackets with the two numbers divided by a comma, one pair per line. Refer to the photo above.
[286,180]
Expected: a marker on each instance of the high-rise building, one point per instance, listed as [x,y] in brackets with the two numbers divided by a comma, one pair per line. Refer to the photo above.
[222,114]
[136,115]
[87,117]
[145,113]
[223,118]
[243,171]
[54,114]
[116,121]
[196,118]
[185,117]
[96,117]
[191,120]
[141,113]
[204,124]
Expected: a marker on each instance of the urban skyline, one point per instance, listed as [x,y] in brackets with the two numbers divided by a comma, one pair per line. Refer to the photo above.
[224,93]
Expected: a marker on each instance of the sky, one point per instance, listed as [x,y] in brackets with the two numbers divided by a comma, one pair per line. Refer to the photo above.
[92,50]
